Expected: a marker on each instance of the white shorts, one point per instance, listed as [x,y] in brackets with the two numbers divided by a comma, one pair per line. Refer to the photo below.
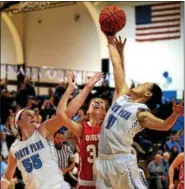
[118,172]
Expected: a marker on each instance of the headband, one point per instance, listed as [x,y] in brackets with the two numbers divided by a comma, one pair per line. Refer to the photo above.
[17,116]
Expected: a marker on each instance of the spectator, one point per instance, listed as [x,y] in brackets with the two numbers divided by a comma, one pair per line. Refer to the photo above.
[174,153]
[174,140]
[47,110]
[65,156]
[3,84]
[157,178]
[5,101]
[30,90]
[165,161]
[181,139]
[3,143]
[22,99]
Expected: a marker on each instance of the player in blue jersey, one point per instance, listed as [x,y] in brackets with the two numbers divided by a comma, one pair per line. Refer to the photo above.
[130,113]
[34,152]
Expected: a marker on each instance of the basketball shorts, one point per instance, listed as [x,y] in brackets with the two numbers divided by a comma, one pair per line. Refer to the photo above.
[118,171]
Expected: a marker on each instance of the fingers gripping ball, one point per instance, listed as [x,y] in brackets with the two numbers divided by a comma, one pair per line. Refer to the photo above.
[112,19]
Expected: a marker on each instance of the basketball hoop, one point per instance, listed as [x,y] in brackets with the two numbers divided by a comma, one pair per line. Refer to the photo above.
[30,6]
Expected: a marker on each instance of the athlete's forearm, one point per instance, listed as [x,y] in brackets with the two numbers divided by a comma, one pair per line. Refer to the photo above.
[63,103]
[171,174]
[77,102]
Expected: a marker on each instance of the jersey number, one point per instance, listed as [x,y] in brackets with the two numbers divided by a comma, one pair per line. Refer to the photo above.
[111,121]
[32,162]
[91,148]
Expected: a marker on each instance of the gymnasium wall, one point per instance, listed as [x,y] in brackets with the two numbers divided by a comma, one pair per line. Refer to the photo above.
[147,61]
[53,38]
[8,54]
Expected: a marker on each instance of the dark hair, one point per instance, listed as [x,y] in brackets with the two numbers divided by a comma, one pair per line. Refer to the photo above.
[156,97]
[58,132]
[161,110]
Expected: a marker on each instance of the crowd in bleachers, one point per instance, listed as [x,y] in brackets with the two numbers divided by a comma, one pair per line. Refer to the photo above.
[156,149]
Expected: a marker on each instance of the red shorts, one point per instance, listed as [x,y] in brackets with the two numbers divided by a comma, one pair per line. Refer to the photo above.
[181,185]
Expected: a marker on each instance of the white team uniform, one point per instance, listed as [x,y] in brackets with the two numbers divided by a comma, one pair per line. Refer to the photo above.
[116,166]
[37,161]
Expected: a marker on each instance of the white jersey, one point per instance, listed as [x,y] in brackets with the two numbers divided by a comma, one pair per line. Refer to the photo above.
[120,126]
[37,161]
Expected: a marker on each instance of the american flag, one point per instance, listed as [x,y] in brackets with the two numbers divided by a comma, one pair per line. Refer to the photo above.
[159,21]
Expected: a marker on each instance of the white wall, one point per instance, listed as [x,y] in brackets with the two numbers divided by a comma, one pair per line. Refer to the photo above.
[61,42]
[148,60]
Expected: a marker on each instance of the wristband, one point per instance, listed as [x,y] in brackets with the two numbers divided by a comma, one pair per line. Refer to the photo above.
[5,180]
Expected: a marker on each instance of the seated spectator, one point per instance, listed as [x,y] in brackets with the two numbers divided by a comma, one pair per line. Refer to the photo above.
[65,156]
[174,140]
[157,178]
[165,161]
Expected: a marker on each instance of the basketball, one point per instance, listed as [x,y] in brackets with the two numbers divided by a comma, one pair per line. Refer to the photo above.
[112,19]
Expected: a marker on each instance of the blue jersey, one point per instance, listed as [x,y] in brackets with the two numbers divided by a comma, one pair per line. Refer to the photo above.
[37,160]
[120,126]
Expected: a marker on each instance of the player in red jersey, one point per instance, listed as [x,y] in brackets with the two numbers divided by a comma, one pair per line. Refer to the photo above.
[178,161]
[88,136]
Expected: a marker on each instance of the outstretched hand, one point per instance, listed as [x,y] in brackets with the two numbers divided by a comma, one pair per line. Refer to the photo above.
[71,83]
[120,44]
[178,108]
[93,80]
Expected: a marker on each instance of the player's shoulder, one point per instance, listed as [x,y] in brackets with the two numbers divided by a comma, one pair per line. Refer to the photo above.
[122,98]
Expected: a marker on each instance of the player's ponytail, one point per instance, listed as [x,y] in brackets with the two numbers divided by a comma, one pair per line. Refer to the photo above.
[156,98]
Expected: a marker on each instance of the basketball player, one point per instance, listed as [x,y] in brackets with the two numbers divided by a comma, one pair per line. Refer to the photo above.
[129,114]
[88,134]
[178,161]
[34,152]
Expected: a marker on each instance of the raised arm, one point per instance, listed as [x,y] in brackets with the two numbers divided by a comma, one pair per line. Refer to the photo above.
[177,161]
[120,45]
[148,120]
[78,101]
[74,127]
[119,75]
[9,173]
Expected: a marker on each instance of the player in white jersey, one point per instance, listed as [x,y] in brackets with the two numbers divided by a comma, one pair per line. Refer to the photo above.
[34,152]
[116,165]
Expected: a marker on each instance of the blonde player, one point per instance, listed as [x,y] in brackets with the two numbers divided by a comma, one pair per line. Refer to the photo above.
[34,152]
[116,166]
[178,162]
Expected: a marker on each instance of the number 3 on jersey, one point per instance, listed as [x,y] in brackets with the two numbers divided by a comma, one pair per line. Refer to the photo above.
[91,148]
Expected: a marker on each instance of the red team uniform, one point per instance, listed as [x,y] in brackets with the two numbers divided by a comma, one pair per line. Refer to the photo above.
[88,145]
[181,177]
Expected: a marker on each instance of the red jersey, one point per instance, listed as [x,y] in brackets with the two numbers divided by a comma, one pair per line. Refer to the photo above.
[88,145]
[181,177]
